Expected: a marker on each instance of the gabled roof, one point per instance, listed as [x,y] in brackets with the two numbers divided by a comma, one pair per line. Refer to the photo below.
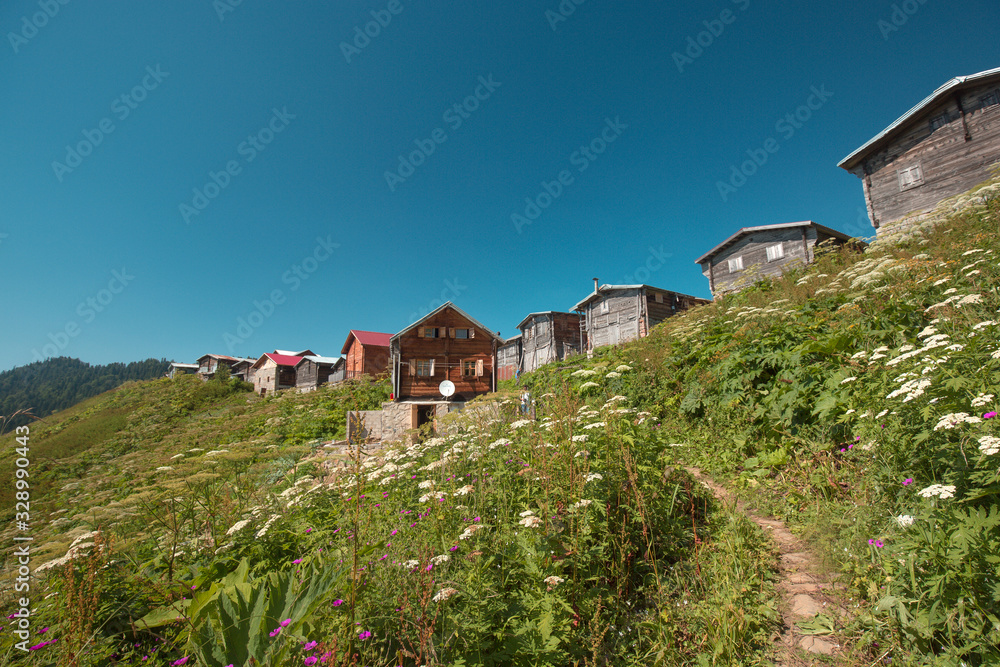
[175,364]
[604,289]
[372,338]
[280,359]
[886,135]
[513,339]
[218,356]
[289,353]
[761,228]
[544,312]
[449,304]
[329,361]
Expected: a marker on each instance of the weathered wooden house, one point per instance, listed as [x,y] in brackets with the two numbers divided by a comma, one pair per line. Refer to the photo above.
[446,344]
[509,358]
[943,146]
[764,251]
[241,369]
[209,363]
[337,372]
[273,372]
[614,314]
[312,371]
[366,353]
[176,369]
[548,337]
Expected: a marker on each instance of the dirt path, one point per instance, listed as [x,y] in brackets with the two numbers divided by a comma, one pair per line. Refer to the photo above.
[805,590]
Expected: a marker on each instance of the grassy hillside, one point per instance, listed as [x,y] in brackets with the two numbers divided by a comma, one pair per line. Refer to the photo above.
[854,399]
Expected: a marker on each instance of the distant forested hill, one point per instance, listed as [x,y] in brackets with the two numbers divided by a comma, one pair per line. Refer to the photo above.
[61,382]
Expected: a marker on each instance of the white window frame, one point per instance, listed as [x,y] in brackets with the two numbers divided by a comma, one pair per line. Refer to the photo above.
[775,252]
[910,177]
[736,264]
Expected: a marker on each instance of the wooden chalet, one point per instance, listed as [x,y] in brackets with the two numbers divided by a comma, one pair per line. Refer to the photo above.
[241,369]
[176,369]
[509,358]
[549,336]
[945,145]
[209,363]
[273,372]
[366,353]
[753,253]
[614,314]
[312,371]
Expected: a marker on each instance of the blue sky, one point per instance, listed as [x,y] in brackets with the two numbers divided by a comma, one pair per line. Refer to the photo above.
[199,177]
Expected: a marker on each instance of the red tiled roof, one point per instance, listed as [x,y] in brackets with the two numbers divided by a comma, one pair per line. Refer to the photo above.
[367,338]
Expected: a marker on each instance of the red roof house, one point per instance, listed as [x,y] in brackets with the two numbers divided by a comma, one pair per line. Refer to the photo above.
[366,353]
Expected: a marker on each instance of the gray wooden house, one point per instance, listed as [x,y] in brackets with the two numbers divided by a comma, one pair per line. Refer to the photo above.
[753,253]
[509,358]
[614,314]
[549,336]
[945,145]
[311,371]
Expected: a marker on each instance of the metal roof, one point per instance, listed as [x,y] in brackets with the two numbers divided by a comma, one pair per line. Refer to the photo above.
[289,353]
[373,338]
[458,310]
[319,360]
[280,359]
[174,364]
[958,82]
[761,228]
[544,312]
[614,288]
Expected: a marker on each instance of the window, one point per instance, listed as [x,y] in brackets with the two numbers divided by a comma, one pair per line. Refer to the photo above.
[468,367]
[425,367]
[461,333]
[604,306]
[939,121]
[989,100]
[428,332]
[659,297]
[775,252]
[736,264]
[910,177]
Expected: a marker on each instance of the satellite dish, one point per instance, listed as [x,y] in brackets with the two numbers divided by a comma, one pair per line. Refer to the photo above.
[447,388]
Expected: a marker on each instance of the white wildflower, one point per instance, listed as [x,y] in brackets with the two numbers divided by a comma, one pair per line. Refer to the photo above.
[904,520]
[426,484]
[969,299]
[443,558]
[981,400]
[613,374]
[465,490]
[579,438]
[972,252]
[519,423]
[580,504]
[989,445]
[952,420]
[444,594]
[530,522]
[623,367]
[593,476]
[939,490]
[238,526]
[942,281]
[927,331]
[164,468]
[553,580]
[410,564]
[595,425]
[849,379]
[984,324]
[587,385]
[584,373]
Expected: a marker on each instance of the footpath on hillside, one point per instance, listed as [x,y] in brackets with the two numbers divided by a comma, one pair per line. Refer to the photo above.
[809,606]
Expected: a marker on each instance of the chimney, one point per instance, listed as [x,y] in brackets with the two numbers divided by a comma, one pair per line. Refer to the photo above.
[595,285]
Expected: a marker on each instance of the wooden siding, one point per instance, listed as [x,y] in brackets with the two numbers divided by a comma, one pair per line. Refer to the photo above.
[365,360]
[447,354]
[549,337]
[621,321]
[952,158]
[797,243]
[509,359]
[309,374]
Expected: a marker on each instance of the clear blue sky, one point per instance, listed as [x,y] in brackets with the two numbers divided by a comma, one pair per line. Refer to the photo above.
[115,113]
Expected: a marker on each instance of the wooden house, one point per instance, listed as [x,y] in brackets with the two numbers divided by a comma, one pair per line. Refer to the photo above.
[312,371]
[548,337]
[614,314]
[337,372]
[945,145]
[365,353]
[764,251]
[241,369]
[176,369]
[273,372]
[509,358]
[209,363]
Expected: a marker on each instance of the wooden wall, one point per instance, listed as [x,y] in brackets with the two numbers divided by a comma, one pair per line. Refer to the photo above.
[365,360]
[310,374]
[952,158]
[620,323]
[549,337]
[509,359]
[753,249]
[448,354]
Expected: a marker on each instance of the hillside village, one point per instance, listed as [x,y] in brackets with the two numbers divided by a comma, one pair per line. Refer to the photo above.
[947,143]
[799,472]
